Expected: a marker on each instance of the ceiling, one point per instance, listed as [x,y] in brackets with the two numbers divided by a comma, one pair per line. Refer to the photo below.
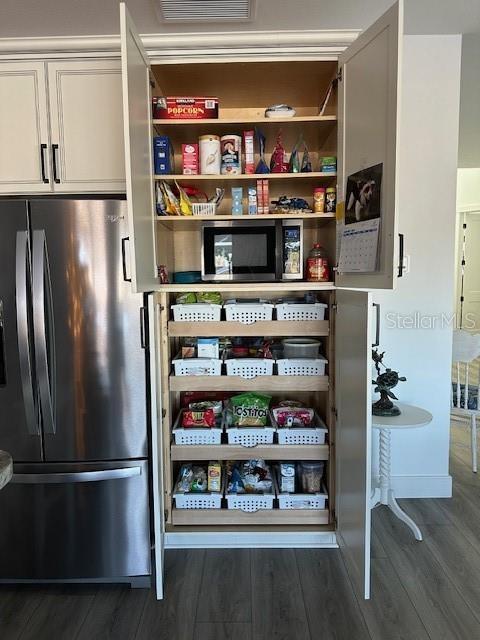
[35,18]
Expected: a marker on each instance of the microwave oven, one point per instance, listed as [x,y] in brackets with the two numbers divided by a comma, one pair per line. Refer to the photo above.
[248,250]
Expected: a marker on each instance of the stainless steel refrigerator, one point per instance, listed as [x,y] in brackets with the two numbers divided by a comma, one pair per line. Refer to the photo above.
[72,394]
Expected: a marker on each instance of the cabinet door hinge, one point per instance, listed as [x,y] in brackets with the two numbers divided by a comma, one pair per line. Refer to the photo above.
[464,225]
[340,74]
[462,299]
[164,413]
[334,411]
[334,306]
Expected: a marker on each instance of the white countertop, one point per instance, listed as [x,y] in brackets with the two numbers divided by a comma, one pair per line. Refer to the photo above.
[6,468]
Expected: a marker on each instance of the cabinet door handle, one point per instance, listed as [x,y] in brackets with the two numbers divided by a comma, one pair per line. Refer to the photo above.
[43,148]
[377,325]
[54,158]
[124,260]
[400,254]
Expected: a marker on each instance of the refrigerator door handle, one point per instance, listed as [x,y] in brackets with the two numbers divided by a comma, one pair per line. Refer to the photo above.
[21,299]
[44,343]
[79,476]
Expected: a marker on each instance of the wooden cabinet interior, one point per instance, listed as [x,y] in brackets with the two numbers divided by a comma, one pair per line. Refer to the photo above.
[316,392]
[244,91]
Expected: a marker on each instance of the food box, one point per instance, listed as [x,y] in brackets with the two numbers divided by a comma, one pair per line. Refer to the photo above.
[190,159]
[186,108]
[163,157]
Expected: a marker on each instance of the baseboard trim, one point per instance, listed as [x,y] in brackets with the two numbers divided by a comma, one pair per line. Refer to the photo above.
[422,486]
[245,540]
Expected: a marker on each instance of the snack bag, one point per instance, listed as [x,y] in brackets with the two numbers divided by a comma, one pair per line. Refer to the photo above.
[201,418]
[214,476]
[212,297]
[250,409]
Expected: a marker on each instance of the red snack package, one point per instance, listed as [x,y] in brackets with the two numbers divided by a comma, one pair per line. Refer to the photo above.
[204,418]
[293,416]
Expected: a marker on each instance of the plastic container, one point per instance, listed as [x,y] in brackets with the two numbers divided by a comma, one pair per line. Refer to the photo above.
[300,348]
[317,264]
[198,312]
[204,208]
[197,366]
[187,277]
[249,367]
[193,435]
[301,366]
[311,474]
[248,312]
[316,433]
[301,311]
[209,151]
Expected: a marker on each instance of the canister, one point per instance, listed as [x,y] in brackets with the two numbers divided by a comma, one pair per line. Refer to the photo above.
[209,148]
[231,151]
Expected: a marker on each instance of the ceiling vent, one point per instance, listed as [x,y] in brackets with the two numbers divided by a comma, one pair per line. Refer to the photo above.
[207,10]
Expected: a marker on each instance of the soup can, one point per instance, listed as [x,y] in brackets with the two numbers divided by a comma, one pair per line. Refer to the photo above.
[209,150]
[231,150]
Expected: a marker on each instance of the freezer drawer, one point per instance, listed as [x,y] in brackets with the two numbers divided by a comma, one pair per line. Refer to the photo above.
[65,521]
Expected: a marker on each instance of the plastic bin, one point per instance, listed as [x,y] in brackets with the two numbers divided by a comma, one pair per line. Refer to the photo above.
[248,312]
[301,366]
[301,311]
[196,435]
[199,312]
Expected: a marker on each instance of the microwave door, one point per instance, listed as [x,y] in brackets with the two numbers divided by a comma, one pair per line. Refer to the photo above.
[240,251]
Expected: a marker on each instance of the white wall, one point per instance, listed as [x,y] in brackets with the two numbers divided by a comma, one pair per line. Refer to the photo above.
[428,173]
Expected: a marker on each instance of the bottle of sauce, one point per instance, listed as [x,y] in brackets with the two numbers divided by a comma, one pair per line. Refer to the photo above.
[317,264]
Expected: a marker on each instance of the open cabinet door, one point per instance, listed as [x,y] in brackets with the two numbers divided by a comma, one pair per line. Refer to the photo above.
[137,124]
[368,115]
[353,433]
[157,441]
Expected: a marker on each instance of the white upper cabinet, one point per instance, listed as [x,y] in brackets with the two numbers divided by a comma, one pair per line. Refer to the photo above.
[61,127]
[86,121]
[368,131]
[138,156]
[24,132]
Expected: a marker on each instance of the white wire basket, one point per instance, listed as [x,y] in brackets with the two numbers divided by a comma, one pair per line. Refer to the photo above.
[248,313]
[314,434]
[196,435]
[192,500]
[199,312]
[250,502]
[204,208]
[249,367]
[301,366]
[200,500]
[197,366]
[293,311]
[302,500]
[248,437]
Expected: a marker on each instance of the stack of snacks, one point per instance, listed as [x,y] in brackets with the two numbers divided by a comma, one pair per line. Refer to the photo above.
[300,485]
[297,424]
[249,476]
[199,486]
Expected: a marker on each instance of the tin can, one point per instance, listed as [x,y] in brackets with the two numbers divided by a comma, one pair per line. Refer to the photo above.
[319,200]
[209,148]
[231,150]
[331,200]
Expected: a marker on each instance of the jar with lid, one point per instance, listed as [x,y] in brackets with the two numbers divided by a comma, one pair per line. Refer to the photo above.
[317,264]
[311,474]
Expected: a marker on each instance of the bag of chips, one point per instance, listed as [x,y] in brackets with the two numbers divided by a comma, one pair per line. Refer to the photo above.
[250,409]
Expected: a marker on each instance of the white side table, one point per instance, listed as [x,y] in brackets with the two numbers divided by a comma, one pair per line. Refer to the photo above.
[409,418]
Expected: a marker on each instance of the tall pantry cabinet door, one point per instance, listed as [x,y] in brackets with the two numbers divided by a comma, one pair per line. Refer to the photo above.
[24,136]
[138,156]
[156,420]
[86,123]
[353,433]
[368,116]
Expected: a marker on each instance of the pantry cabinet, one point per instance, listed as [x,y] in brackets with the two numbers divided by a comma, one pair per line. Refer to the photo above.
[63,126]
[359,125]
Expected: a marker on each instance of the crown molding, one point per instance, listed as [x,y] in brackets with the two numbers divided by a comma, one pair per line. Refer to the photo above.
[170,47]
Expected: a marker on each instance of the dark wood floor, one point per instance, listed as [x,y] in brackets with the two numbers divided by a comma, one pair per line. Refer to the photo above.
[428,590]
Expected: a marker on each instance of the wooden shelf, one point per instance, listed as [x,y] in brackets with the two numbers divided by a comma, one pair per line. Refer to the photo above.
[261,287]
[263,516]
[260,383]
[259,328]
[242,120]
[314,175]
[185,452]
[317,217]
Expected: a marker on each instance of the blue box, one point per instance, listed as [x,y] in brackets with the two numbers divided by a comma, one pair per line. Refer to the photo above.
[163,157]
